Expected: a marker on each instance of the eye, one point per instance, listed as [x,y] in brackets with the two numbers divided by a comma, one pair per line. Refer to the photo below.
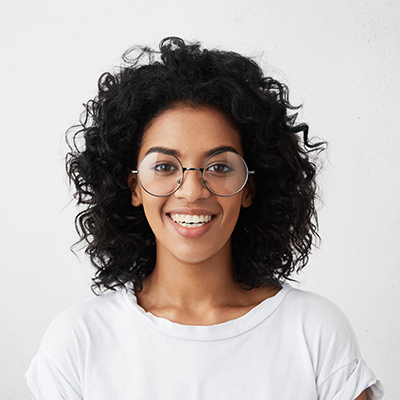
[219,168]
[165,167]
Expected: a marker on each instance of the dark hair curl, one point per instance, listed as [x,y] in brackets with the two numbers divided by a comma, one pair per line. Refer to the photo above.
[272,238]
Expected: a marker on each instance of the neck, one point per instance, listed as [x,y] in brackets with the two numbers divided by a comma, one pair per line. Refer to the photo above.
[198,293]
[191,285]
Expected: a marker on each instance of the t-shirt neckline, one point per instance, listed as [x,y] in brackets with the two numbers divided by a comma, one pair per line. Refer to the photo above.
[220,331]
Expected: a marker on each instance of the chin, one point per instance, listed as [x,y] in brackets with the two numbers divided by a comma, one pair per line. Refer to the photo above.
[192,258]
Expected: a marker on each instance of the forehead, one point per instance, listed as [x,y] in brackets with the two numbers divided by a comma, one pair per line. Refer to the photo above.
[191,132]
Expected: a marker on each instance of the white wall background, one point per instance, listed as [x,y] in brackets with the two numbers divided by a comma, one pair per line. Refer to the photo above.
[340,58]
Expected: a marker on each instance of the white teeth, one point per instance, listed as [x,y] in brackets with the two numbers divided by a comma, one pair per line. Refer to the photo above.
[190,221]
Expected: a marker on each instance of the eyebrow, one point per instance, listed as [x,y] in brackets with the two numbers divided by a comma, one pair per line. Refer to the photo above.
[176,153]
[220,150]
[164,150]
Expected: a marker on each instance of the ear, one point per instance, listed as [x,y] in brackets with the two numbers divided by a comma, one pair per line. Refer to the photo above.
[134,186]
[249,192]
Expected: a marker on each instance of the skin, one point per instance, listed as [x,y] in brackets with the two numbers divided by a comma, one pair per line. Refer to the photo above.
[362,396]
[192,282]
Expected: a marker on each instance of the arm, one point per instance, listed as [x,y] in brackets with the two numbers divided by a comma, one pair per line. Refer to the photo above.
[362,396]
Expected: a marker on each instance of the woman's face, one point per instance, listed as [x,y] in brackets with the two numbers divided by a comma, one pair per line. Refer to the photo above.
[192,133]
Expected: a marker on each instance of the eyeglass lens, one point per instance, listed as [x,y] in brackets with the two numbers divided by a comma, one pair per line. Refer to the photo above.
[224,173]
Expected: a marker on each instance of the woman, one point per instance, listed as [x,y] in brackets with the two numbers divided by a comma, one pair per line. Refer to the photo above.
[199,195]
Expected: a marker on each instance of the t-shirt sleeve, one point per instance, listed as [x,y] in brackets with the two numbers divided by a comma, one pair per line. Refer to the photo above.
[341,372]
[353,379]
[47,381]
[55,371]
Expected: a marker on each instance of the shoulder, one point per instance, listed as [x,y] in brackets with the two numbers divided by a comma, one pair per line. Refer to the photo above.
[321,324]
[95,307]
[306,299]
[82,320]
[315,308]
[332,345]
[325,331]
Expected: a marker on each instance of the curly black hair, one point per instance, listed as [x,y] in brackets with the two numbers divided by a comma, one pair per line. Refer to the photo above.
[272,238]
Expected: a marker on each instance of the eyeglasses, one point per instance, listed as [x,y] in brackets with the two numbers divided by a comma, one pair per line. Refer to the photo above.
[224,173]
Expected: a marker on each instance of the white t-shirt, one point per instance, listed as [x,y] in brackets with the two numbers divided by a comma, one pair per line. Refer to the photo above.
[295,345]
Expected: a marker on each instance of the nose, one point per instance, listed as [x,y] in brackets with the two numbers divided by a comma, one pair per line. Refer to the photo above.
[192,187]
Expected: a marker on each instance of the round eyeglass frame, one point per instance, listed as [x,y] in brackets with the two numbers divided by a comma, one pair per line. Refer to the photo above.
[248,172]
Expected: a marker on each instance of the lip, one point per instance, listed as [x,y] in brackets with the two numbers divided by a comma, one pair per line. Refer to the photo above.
[191,232]
[192,211]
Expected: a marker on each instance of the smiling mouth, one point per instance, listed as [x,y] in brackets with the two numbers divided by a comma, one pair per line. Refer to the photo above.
[190,221]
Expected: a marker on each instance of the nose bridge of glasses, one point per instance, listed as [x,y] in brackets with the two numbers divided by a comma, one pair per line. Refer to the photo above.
[192,169]
[184,169]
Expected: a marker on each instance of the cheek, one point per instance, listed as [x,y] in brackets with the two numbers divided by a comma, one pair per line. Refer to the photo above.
[232,211]
[153,210]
